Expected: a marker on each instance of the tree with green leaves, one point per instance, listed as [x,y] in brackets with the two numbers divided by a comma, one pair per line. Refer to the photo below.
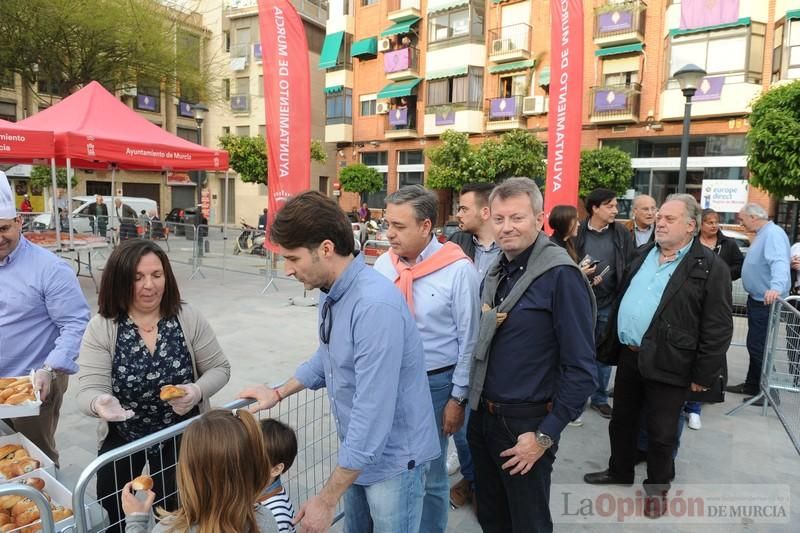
[65,44]
[774,141]
[41,178]
[516,153]
[606,168]
[360,178]
[248,156]
[452,162]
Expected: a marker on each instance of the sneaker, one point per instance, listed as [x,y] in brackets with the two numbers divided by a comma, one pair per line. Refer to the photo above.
[461,493]
[452,462]
[576,423]
[603,409]
[694,421]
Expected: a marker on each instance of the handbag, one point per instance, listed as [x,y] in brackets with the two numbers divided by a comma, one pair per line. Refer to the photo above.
[714,394]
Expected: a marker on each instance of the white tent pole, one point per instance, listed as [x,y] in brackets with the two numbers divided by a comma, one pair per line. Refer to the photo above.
[111,209]
[55,203]
[69,202]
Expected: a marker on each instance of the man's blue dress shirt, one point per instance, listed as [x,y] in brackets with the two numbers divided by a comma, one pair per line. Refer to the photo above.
[43,312]
[374,370]
[766,265]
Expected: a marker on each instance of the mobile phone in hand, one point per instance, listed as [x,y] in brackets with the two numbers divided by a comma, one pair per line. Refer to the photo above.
[605,271]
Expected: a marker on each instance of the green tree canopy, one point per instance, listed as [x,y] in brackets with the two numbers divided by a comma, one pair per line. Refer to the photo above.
[452,162]
[248,156]
[119,43]
[774,141]
[606,168]
[360,178]
[40,177]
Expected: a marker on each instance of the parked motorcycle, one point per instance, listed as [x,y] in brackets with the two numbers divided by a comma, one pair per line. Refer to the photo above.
[250,241]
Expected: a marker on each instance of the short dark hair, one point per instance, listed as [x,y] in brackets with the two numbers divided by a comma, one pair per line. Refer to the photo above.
[481,190]
[280,442]
[424,202]
[310,218]
[119,277]
[598,197]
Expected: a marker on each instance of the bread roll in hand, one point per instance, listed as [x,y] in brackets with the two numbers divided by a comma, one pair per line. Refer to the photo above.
[170,392]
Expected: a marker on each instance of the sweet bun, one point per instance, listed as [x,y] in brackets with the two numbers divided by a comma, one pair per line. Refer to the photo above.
[170,392]
[8,449]
[20,397]
[35,482]
[142,483]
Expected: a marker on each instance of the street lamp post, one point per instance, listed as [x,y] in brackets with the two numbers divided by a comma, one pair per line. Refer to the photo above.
[689,77]
[199,111]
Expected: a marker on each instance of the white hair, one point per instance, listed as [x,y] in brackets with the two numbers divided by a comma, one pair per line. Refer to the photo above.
[755,210]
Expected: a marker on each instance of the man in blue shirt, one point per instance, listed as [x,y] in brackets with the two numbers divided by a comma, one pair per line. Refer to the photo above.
[765,277]
[371,361]
[43,315]
[669,332]
[533,366]
[441,287]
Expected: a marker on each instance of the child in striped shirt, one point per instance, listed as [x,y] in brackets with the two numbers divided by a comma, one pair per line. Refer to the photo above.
[281,445]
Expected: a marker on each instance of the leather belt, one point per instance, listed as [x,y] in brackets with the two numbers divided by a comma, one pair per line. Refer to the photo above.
[441,370]
[517,410]
[634,349]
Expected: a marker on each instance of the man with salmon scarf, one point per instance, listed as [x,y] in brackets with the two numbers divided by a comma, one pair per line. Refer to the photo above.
[441,288]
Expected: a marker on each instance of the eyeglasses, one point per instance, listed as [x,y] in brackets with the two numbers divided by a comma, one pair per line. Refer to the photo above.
[326,323]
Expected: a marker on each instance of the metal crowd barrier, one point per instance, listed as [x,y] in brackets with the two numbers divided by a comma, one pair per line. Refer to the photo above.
[739,315]
[307,412]
[45,523]
[780,372]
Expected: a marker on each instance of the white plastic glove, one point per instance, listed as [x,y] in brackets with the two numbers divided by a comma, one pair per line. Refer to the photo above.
[184,404]
[108,408]
[42,380]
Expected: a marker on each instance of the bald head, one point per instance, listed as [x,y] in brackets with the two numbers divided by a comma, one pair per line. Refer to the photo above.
[644,211]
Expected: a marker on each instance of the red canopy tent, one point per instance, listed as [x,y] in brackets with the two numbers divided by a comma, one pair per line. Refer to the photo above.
[19,144]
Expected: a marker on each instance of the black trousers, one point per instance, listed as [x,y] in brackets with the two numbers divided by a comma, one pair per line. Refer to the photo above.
[112,477]
[662,405]
[506,503]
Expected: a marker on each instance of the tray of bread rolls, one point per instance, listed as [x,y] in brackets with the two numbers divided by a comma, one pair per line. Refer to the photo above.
[19,514]
[19,456]
[17,397]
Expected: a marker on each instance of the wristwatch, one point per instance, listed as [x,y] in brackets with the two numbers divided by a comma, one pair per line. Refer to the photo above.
[543,440]
[50,370]
[460,400]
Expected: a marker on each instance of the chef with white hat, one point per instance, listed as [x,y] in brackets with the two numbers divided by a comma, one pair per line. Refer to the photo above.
[41,322]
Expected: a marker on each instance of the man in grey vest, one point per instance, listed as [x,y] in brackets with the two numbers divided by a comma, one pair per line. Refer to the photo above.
[533,365]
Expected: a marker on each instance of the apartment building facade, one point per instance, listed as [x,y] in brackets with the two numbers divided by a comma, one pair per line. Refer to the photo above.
[401,72]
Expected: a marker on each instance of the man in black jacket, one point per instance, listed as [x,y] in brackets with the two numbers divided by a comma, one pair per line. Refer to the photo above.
[476,235]
[610,242]
[670,330]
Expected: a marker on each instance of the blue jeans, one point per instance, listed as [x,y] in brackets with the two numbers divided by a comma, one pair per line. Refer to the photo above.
[390,506]
[692,407]
[757,323]
[600,396]
[437,486]
[464,455]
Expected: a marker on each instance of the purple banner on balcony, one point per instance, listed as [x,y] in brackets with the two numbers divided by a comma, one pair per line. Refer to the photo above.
[239,103]
[185,109]
[146,102]
[397,60]
[398,116]
[445,117]
[709,89]
[257,50]
[503,108]
[610,100]
[615,21]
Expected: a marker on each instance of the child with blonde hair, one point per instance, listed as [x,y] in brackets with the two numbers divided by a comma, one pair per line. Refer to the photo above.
[218,481]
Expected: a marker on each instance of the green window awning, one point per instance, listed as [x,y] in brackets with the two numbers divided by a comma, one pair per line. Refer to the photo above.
[516,65]
[745,21]
[618,50]
[448,73]
[399,27]
[401,88]
[447,6]
[544,76]
[330,50]
[365,47]
[793,14]
[334,89]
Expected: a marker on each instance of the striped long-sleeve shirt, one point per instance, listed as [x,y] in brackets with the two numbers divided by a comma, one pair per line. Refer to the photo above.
[282,509]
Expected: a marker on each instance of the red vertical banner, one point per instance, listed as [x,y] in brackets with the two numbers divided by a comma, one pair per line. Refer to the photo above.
[287,102]
[565,114]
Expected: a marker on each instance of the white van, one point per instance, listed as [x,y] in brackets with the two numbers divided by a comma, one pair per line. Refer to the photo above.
[81,219]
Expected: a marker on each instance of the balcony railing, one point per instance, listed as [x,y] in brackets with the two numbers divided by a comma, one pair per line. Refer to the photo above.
[401,118]
[240,103]
[240,50]
[508,108]
[510,43]
[620,23]
[616,103]
[315,9]
[401,60]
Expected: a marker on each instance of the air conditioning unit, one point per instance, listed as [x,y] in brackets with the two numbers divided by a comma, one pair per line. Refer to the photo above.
[129,91]
[384,45]
[382,108]
[500,46]
[534,105]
